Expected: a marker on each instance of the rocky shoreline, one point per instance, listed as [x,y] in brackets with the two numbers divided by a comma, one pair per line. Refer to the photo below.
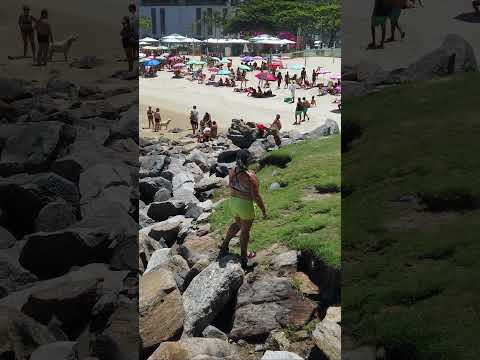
[214,309]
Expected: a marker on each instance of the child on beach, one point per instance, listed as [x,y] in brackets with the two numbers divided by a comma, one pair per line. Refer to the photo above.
[313,102]
[44,37]
[25,22]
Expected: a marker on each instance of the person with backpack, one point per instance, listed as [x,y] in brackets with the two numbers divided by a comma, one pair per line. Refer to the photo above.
[245,191]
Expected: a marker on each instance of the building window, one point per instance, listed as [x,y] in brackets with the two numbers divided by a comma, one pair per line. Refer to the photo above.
[162,22]
[198,21]
[153,15]
[210,21]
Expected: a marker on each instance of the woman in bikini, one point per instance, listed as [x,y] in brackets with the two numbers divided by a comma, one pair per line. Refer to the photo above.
[150,117]
[245,192]
[25,22]
[128,41]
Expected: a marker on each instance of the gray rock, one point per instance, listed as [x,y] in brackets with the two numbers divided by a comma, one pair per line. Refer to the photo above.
[159,257]
[274,186]
[13,276]
[370,73]
[13,89]
[151,166]
[162,195]
[360,353]
[199,158]
[146,247]
[55,216]
[169,230]
[212,332]
[60,350]
[143,219]
[257,149]
[160,211]
[286,260]
[6,239]
[209,292]
[149,187]
[194,210]
[327,336]
[127,126]
[277,340]
[208,183]
[352,89]
[280,355]
[227,156]
[330,127]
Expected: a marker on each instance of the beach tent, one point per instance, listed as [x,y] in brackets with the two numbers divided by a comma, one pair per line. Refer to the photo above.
[148,40]
[224,72]
[178,39]
[244,67]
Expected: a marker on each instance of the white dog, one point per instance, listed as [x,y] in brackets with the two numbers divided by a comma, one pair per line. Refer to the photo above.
[62,47]
[165,123]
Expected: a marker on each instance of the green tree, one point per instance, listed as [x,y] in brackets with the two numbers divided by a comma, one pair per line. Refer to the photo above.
[145,23]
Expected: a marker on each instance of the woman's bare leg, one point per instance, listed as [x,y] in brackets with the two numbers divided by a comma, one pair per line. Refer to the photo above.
[245,227]
[31,38]
[25,43]
[233,230]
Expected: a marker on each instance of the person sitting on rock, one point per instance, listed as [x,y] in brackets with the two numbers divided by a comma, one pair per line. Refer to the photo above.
[245,190]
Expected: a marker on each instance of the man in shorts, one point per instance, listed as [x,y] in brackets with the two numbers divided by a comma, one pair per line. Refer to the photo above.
[397,6]
[381,11]
[194,119]
[25,22]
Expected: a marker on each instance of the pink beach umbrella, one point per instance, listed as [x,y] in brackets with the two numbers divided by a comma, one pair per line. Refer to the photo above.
[266,76]
[165,55]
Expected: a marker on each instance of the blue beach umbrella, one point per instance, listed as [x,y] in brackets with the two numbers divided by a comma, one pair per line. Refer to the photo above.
[152,63]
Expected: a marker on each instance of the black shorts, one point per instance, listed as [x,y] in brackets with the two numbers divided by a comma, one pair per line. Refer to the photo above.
[43,38]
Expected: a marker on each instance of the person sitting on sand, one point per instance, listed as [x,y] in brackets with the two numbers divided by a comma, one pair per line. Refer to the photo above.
[150,117]
[227,82]
[245,191]
[298,112]
[207,120]
[25,22]
[214,130]
[313,103]
[259,92]
[220,82]
[44,37]
[158,118]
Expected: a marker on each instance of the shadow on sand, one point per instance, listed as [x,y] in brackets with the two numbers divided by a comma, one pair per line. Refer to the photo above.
[468,17]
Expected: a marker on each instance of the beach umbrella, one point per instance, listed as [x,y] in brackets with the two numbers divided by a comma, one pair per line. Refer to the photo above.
[174,58]
[143,43]
[266,76]
[152,63]
[246,59]
[213,69]
[179,65]
[165,55]
[141,55]
[148,40]
[324,71]
[244,67]
[224,72]
[224,61]
[215,58]
[143,60]
[257,58]
[161,58]
[295,66]
[196,62]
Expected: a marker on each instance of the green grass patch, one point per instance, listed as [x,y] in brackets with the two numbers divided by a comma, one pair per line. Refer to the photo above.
[413,288]
[297,216]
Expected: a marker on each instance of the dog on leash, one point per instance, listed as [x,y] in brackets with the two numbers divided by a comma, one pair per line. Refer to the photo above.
[62,47]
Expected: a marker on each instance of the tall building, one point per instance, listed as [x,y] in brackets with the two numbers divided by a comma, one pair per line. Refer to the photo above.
[193,18]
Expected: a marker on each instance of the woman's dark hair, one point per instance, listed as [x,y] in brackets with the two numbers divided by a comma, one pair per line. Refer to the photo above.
[132,7]
[126,20]
[243,157]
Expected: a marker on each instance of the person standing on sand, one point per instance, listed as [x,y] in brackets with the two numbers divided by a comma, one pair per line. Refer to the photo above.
[128,41]
[150,117]
[298,112]
[244,191]
[279,79]
[381,10]
[306,106]
[158,118]
[303,76]
[397,6]
[275,128]
[194,119]
[44,37]
[287,79]
[25,23]
[214,130]
[314,77]
[292,89]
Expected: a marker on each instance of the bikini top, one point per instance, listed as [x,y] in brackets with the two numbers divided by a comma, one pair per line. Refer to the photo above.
[237,185]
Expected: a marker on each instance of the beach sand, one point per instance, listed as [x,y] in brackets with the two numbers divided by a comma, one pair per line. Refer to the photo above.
[96,23]
[175,98]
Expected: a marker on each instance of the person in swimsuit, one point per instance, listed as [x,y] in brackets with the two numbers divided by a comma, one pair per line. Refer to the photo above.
[245,192]
[44,37]
[194,119]
[150,117]
[25,22]
[275,128]
[279,79]
[158,118]
[381,11]
[128,41]
[132,9]
[306,106]
[298,112]
[287,80]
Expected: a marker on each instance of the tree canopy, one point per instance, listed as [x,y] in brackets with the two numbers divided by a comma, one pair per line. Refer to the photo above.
[272,16]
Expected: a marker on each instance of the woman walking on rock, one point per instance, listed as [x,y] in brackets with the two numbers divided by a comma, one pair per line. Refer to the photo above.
[245,191]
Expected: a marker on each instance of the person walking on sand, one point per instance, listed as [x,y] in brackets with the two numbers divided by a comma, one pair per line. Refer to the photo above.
[381,10]
[128,42]
[194,119]
[306,106]
[150,117]
[25,23]
[292,89]
[245,191]
[298,112]
[158,118]
[44,37]
[397,6]
[243,79]
[303,76]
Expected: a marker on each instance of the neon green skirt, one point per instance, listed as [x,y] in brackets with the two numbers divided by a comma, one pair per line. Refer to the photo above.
[242,208]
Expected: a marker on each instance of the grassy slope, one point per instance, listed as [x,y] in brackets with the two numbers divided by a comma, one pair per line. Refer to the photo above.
[417,287]
[293,219]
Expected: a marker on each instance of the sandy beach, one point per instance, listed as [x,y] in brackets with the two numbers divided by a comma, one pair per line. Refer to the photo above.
[175,98]
[425,30]
[96,24]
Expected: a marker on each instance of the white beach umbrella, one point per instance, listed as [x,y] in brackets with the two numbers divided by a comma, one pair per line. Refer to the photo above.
[148,40]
